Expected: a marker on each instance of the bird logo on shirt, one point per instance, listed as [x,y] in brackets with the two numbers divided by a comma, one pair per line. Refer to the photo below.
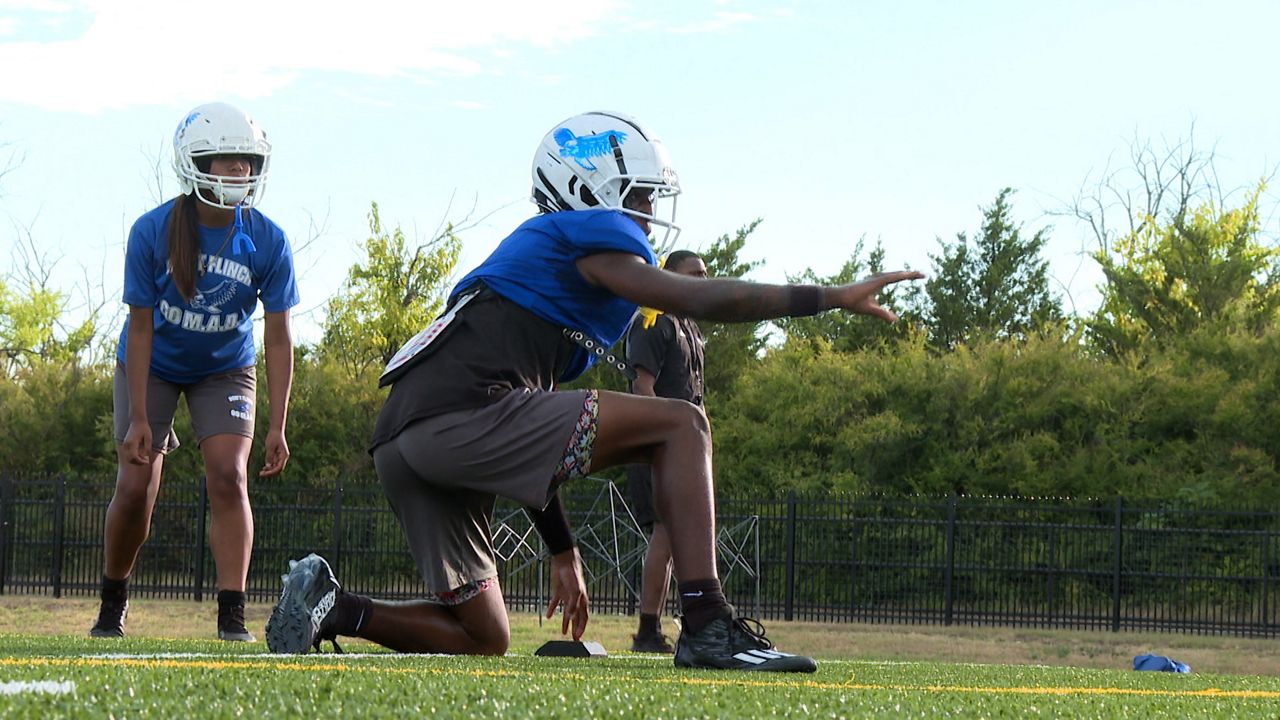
[213,298]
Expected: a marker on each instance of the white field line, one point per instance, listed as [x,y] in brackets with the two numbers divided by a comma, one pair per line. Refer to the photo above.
[46,687]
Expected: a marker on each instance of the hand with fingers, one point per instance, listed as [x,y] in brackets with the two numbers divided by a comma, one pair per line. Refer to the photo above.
[568,588]
[277,454]
[136,448]
[862,296]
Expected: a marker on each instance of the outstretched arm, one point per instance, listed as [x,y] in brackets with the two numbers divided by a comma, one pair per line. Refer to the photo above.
[728,300]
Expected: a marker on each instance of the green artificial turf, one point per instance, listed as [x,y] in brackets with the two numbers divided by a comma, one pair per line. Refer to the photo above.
[134,678]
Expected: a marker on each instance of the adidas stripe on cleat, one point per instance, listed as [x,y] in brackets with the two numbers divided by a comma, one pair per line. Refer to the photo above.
[298,620]
[760,657]
[733,643]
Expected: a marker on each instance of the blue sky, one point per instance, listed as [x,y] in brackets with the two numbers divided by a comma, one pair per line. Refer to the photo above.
[831,120]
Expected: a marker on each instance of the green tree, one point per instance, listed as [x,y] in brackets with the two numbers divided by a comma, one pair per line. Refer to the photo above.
[998,288]
[1192,422]
[57,418]
[54,394]
[32,328]
[389,297]
[1204,265]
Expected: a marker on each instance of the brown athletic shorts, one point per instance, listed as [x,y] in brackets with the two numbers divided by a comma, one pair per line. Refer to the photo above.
[218,404]
[442,475]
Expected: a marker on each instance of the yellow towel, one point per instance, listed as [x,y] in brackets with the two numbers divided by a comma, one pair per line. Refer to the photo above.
[650,315]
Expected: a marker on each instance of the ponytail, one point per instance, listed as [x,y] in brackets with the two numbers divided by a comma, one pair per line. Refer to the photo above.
[184,245]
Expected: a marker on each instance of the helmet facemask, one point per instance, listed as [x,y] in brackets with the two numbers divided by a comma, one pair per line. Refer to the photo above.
[660,210]
[228,191]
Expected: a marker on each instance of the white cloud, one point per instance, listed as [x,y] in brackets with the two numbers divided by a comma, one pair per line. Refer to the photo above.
[36,5]
[721,20]
[144,52]
[22,14]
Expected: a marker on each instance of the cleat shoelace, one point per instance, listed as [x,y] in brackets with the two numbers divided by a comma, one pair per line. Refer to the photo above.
[753,629]
[231,618]
[111,615]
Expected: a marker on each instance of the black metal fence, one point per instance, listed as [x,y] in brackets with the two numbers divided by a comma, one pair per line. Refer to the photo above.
[976,561]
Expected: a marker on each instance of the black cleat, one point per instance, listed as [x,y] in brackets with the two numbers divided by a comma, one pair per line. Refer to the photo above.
[298,621]
[651,643]
[735,643]
[110,622]
[231,624]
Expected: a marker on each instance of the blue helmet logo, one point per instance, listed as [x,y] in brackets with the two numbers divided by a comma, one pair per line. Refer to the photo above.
[581,149]
[186,123]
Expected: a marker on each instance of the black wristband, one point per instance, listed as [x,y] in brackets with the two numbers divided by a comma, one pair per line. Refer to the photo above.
[553,525]
[805,300]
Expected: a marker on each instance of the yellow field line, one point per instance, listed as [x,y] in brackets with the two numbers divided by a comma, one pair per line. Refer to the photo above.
[1214,693]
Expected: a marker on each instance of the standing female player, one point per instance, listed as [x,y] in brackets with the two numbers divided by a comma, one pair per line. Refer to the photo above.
[473,413]
[195,269]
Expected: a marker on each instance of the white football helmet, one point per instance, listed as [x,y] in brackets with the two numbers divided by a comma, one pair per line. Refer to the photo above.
[596,159]
[220,129]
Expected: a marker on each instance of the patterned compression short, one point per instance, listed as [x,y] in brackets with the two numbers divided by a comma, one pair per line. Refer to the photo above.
[577,453]
[459,595]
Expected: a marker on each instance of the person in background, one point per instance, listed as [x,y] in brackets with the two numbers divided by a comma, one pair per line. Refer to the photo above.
[666,353]
[195,269]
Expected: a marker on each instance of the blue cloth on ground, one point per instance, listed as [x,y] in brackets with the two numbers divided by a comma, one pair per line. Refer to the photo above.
[1159,663]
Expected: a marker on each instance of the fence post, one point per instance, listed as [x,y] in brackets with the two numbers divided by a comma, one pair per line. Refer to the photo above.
[789,604]
[59,534]
[1051,561]
[6,512]
[1117,566]
[202,501]
[853,559]
[335,539]
[1266,570]
[949,570]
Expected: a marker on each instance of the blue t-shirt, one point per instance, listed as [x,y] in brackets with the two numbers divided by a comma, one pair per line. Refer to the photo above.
[213,332]
[534,268]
